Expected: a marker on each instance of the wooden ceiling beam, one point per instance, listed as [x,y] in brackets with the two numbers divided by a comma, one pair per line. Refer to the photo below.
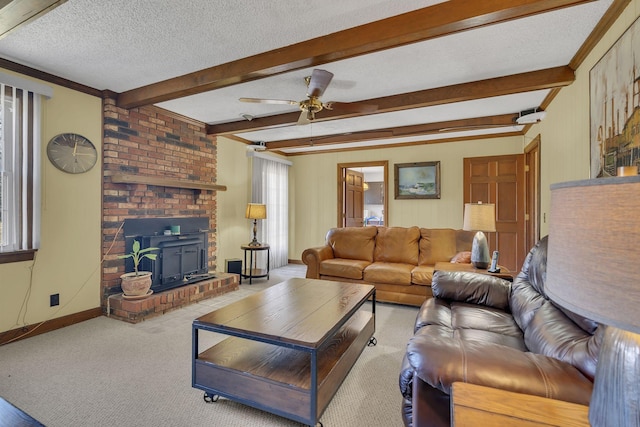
[339,149]
[15,13]
[435,21]
[397,132]
[535,80]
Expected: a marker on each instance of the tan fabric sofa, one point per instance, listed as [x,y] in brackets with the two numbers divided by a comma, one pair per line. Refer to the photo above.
[399,261]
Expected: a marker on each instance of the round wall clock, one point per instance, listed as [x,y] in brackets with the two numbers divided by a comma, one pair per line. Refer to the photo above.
[72,153]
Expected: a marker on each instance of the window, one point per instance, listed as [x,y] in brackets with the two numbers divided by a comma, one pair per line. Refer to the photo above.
[270,185]
[19,172]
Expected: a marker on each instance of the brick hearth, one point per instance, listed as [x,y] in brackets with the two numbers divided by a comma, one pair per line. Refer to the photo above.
[134,311]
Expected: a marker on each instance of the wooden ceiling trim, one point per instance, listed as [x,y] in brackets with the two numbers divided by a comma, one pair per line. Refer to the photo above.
[32,72]
[423,24]
[612,14]
[550,96]
[14,14]
[535,80]
[402,131]
[405,144]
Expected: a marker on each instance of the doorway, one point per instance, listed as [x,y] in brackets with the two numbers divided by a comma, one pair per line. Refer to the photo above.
[363,195]
[501,180]
[532,206]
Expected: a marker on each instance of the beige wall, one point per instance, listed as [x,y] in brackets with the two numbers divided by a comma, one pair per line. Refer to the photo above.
[564,133]
[69,257]
[313,189]
[234,171]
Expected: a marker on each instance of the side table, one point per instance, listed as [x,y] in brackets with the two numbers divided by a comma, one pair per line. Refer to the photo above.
[253,272]
[452,266]
[474,405]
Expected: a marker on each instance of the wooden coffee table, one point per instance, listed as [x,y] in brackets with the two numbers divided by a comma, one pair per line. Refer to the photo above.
[291,346]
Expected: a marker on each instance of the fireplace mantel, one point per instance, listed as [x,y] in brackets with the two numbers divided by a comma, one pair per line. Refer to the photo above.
[165,182]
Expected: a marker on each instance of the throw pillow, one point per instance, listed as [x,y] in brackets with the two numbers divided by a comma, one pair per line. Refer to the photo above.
[462,258]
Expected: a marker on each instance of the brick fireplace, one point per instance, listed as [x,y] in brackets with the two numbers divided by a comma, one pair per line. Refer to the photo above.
[156,165]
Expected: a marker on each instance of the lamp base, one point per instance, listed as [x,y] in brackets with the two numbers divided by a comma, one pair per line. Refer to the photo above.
[480,251]
[255,242]
[616,390]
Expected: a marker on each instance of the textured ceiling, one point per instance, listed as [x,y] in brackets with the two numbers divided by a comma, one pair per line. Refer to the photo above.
[121,45]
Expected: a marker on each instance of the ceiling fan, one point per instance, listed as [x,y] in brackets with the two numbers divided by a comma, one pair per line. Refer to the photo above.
[317,83]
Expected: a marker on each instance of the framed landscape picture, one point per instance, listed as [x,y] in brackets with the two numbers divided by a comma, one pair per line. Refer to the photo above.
[417,180]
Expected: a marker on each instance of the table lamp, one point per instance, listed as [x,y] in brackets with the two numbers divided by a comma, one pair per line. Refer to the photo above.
[255,211]
[480,217]
[593,270]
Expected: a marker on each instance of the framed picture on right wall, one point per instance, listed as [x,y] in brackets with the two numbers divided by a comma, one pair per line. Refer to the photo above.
[614,97]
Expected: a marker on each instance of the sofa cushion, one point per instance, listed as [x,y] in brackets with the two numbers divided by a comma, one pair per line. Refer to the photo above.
[347,268]
[553,334]
[433,311]
[440,360]
[527,289]
[388,272]
[397,245]
[442,244]
[422,274]
[469,287]
[470,322]
[352,242]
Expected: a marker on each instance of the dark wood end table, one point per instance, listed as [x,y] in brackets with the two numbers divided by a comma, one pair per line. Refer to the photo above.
[252,272]
[452,266]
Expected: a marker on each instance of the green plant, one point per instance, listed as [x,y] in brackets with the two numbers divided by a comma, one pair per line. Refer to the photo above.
[137,254]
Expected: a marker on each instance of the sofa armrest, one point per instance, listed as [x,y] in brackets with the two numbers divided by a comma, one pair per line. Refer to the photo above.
[440,359]
[473,288]
[313,257]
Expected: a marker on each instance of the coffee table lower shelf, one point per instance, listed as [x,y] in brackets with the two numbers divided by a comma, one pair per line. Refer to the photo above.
[280,378]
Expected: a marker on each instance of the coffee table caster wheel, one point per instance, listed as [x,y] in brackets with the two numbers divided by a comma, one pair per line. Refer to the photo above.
[372,341]
[210,398]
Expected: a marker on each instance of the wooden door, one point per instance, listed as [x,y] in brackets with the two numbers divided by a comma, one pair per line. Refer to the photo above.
[500,180]
[532,207]
[353,198]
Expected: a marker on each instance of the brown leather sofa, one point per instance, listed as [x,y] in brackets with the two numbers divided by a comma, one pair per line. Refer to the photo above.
[484,330]
[398,261]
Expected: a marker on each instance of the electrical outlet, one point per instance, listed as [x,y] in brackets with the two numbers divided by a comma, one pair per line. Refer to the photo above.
[54,299]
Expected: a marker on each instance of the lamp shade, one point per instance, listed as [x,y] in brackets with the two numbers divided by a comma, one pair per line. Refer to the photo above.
[594,236]
[479,217]
[256,211]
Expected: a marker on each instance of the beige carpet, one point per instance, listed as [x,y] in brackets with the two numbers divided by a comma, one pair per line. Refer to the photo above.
[104,372]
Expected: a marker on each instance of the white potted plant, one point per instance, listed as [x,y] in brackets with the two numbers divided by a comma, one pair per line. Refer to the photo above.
[137,283]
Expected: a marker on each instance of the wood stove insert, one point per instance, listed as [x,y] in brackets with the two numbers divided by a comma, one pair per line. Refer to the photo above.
[182,258]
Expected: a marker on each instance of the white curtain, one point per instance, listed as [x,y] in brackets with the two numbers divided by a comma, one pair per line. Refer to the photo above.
[270,186]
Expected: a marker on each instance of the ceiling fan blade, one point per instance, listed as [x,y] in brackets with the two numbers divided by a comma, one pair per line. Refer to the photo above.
[269,101]
[320,79]
[304,118]
[350,107]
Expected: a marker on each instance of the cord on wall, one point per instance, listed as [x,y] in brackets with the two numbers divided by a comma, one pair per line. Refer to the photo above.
[25,302]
